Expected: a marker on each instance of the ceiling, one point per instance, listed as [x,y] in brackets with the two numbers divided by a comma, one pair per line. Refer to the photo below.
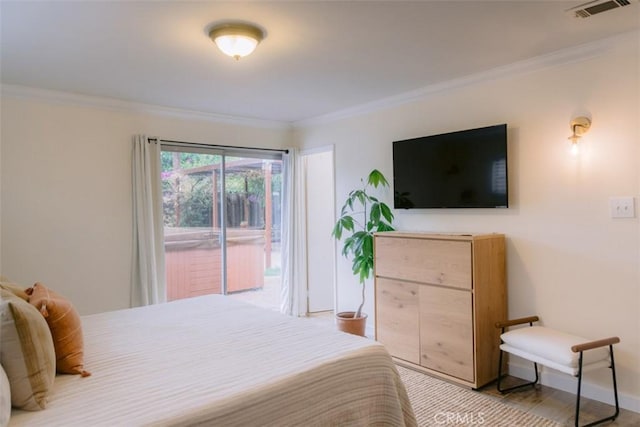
[317,58]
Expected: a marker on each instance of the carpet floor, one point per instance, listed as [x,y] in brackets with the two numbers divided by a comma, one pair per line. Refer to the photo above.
[439,403]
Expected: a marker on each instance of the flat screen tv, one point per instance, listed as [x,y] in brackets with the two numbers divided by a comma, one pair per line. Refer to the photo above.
[464,169]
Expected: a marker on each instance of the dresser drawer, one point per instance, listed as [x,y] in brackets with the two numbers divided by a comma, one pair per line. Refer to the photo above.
[438,262]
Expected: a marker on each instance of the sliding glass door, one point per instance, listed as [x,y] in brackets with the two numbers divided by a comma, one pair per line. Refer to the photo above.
[222,223]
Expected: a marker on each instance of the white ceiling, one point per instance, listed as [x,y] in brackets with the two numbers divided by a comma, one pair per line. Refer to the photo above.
[318,57]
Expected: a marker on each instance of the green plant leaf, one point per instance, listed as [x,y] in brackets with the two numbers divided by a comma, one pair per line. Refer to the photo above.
[362,266]
[349,202]
[376,178]
[383,226]
[358,239]
[347,222]
[360,195]
[337,230]
[367,245]
[386,212]
[348,246]
[375,213]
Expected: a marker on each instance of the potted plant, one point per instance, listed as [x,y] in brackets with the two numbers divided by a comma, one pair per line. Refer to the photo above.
[361,216]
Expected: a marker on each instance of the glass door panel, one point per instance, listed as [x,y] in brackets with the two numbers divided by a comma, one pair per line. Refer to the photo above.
[222,242]
[252,190]
[193,253]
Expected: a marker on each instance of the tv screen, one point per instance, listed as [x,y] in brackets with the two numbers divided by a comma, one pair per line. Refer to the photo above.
[464,169]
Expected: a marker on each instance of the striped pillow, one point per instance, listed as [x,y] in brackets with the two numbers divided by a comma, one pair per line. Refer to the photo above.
[14,288]
[26,352]
[65,326]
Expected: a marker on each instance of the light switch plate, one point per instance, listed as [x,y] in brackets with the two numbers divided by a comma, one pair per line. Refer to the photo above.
[622,207]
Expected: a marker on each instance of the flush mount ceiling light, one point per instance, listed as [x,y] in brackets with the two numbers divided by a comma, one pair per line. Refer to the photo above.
[579,126]
[236,39]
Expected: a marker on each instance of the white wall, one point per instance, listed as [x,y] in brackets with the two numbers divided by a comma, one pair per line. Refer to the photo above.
[567,260]
[66,192]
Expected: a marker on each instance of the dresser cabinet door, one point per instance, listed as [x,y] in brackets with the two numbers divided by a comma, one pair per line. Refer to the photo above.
[397,318]
[446,331]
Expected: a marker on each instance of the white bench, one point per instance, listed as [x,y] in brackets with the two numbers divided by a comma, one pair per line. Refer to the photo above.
[558,350]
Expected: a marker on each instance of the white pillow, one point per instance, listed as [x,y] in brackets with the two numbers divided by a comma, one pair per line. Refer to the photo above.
[5,399]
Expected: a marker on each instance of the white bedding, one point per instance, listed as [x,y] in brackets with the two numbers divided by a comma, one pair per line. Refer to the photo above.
[215,361]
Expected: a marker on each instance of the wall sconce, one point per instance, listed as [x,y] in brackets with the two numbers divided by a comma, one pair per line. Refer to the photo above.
[579,126]
[236,39]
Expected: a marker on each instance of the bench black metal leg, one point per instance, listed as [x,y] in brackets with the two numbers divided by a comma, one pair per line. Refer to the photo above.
[504,390]
[615,392]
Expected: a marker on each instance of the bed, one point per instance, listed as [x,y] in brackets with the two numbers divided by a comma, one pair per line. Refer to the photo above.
[212,360]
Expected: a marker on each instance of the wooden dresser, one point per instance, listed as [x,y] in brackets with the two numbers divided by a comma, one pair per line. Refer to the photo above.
[438,297]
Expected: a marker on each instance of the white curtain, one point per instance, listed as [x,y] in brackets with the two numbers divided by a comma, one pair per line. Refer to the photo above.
[293,247]
[148,284]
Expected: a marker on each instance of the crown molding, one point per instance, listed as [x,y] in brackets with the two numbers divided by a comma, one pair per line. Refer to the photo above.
[561,57]
[68,98]
[558,58]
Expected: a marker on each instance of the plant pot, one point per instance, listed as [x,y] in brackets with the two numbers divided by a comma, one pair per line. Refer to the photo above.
[346,323]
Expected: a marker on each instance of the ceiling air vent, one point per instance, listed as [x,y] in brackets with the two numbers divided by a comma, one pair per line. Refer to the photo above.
[598,6]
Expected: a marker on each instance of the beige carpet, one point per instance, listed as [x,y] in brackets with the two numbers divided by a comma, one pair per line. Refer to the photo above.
[439,403]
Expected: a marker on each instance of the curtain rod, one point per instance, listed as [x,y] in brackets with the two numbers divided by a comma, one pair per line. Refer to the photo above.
[231,147]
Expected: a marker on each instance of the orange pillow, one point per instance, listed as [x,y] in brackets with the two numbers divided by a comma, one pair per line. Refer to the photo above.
[66,330]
